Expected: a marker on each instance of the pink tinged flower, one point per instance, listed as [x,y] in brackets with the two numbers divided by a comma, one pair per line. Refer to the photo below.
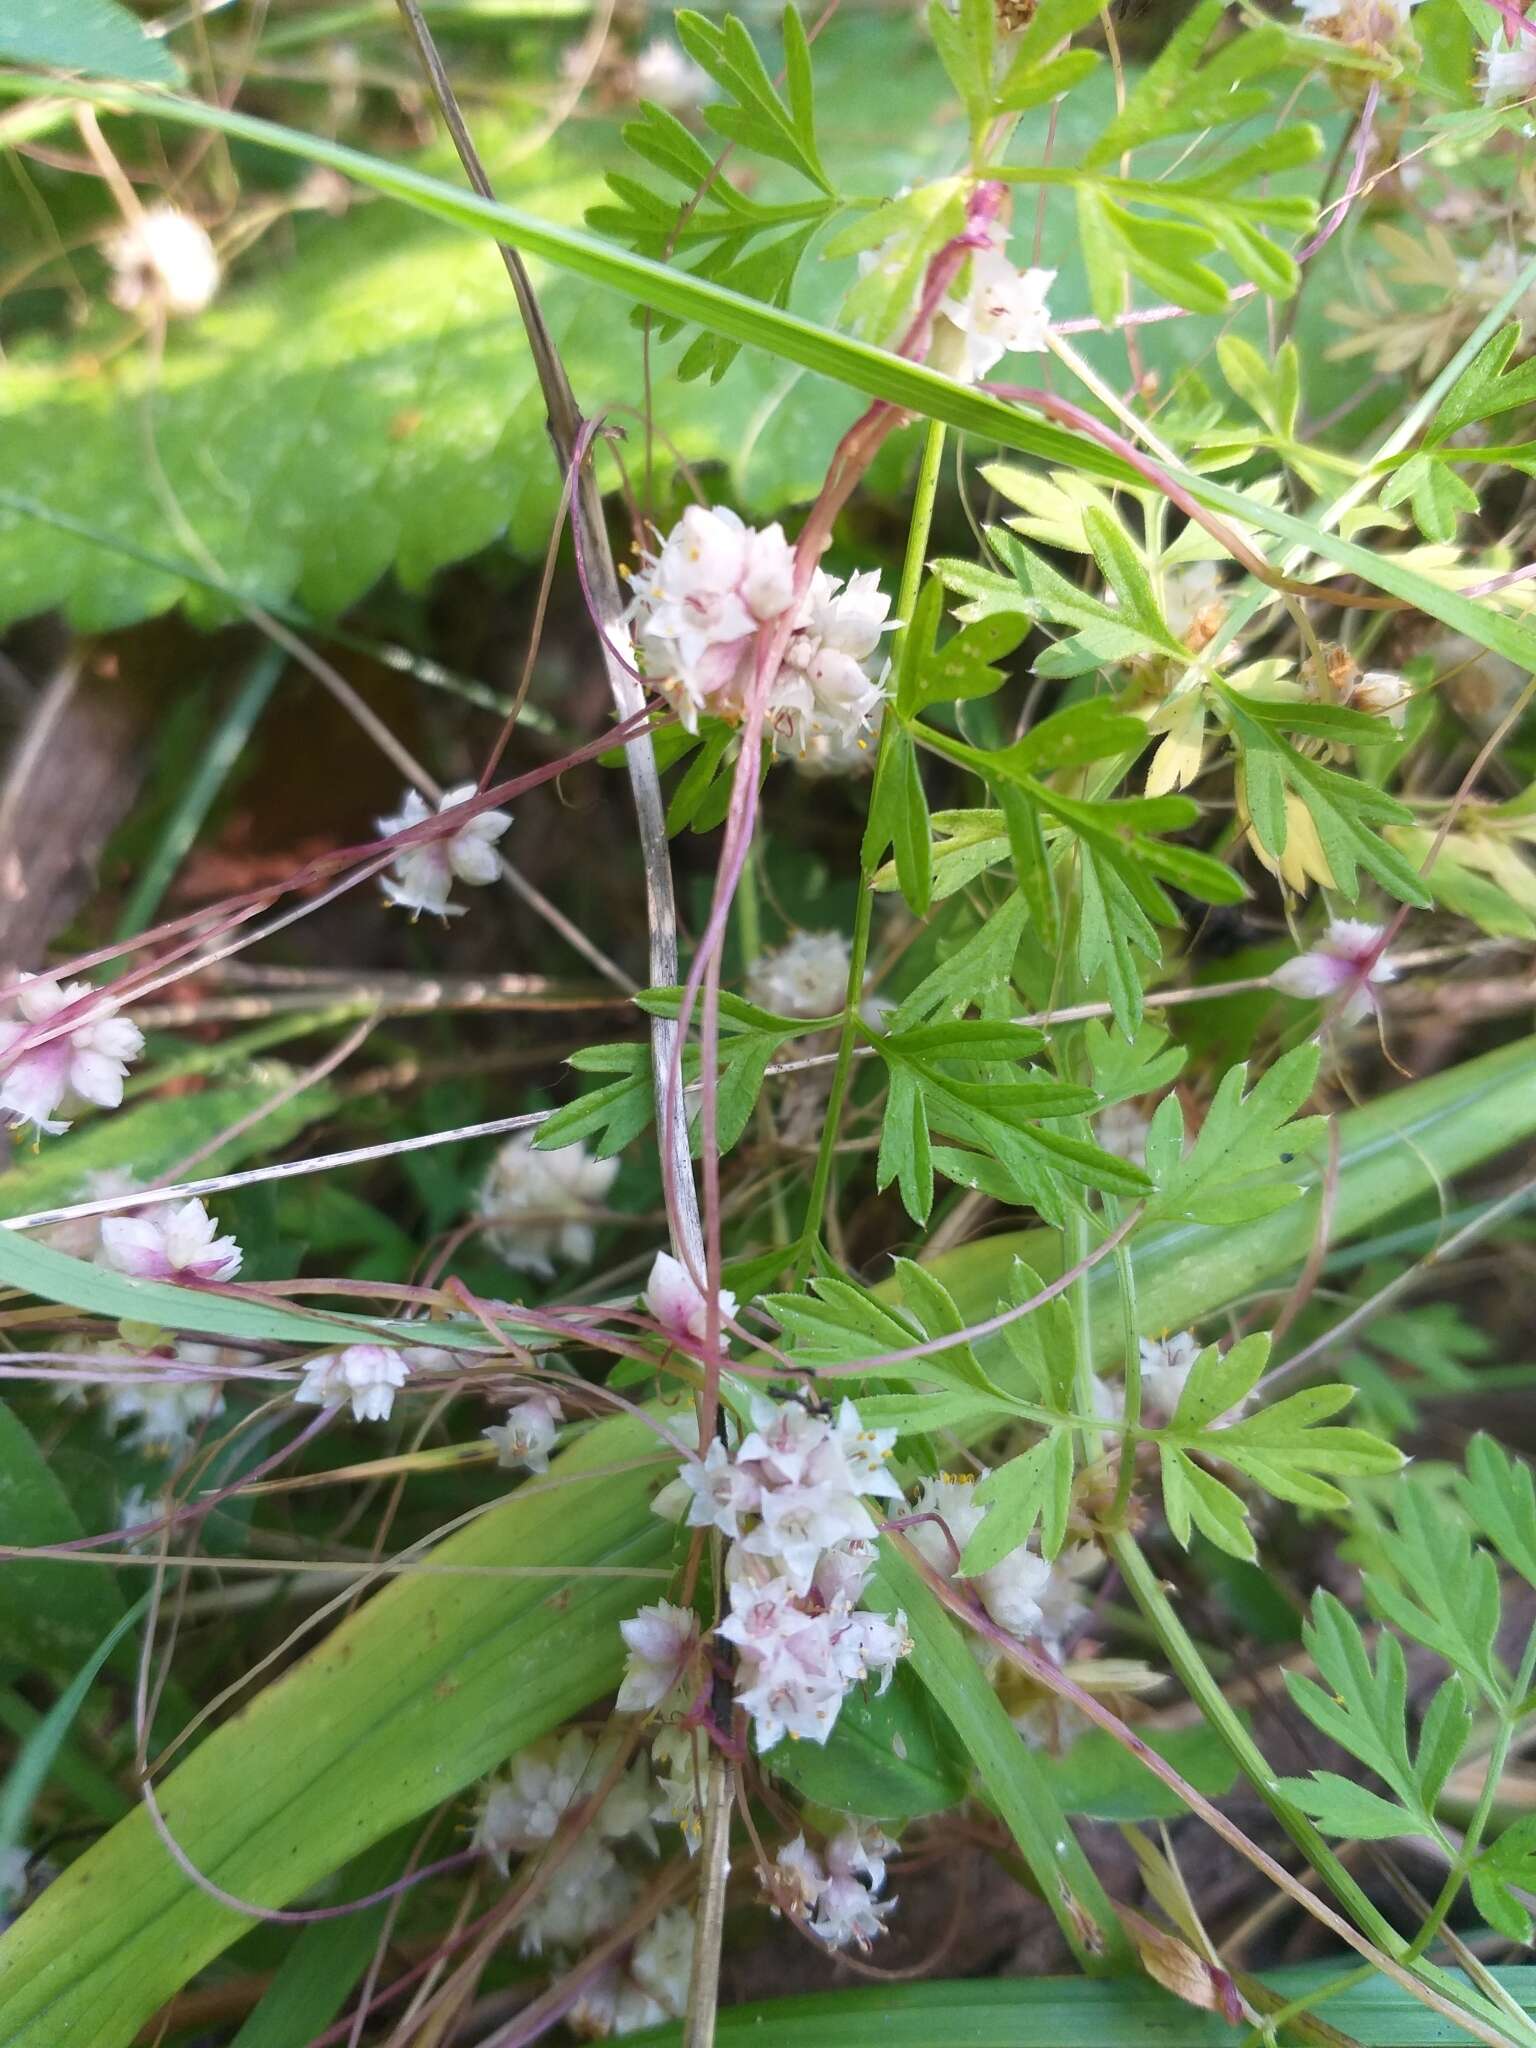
[761,1616]
[676,1301]
[784,1439]
[722,1491]
[89,1059]
[528,1435]
[860,1850]
[423,875]
[788,1700]
[1509,74]
[171,1243]
[661,1640]
[1346,965]
[799,1523]
[367,1375]
[871,1646]
[849,1915]
[842,1572]
[798,1876]
[1003,311]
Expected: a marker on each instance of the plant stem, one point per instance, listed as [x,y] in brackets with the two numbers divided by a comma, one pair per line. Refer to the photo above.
[863,916]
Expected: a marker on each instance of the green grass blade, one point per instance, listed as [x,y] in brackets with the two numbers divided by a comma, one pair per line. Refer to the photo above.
[34,1760]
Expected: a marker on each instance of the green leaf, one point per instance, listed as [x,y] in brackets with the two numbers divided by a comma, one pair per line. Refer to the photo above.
[1444,1592]
[1498,1496]
[1017,1780]
[1230,1172]
[1505,1866]
[906,1151]
[1341,1807]
[54,1613]
[1101,1779]
[1219,1381]
[756,117]
[917,644]
[892,1757]
[35,1757]
[311,1983]
[94,36]
[1035,1486]
[1192,1497]
[1486,387]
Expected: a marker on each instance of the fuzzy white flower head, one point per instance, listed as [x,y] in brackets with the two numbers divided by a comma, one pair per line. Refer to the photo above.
[539,1204]
[173,1241]
[1166,1363]
[1384,694]
[807,977]
[528,1435]
[521,1811]
[663,1960]
[162,1413]
[677,1302]
[423,875]
[1347,963]
[824,685]
[664,75]
[89,1059]
[720,1491]
[589,1894]
[1509,74]
[367,1375]
[661,1640]
[164,260]
[80,1236]
[1002,311]
[698,602]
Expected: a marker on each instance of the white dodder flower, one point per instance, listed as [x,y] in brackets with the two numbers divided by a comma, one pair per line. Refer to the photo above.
[660,1640]
[367,1375]
[663,74]
[824,687]
[528,1435]
[1347,963]
[700,599]
[807,977]
[677,1302]
[423,875]
[1166,1363]
[840,1896]
[161,1413]
[1509,74]
[1001,311]
[174,1241]
[539,1204]
[89,1059]
[1024,1593]
[1384,694]
[163,260]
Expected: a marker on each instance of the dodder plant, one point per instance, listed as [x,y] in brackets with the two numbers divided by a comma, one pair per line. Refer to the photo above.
[817,1562]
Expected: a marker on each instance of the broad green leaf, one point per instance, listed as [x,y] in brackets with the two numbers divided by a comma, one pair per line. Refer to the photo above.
[1341,1807]
[1100,1779]
[1247,1142]
[892,1757]
[96,36]
[54,1613]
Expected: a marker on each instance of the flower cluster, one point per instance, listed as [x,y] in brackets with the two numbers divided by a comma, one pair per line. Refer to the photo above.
[528,1435]
[424,874]
[1024,1593]
[597,1881]
[807,977]
[367,1375]
[1347,964]
[700,601]
[160,1413]
[802,1544]
[1166,1363]
[1362,24]
[163,262]
[174,1241]
[838,1893]
[538,1205]
[89,1059]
